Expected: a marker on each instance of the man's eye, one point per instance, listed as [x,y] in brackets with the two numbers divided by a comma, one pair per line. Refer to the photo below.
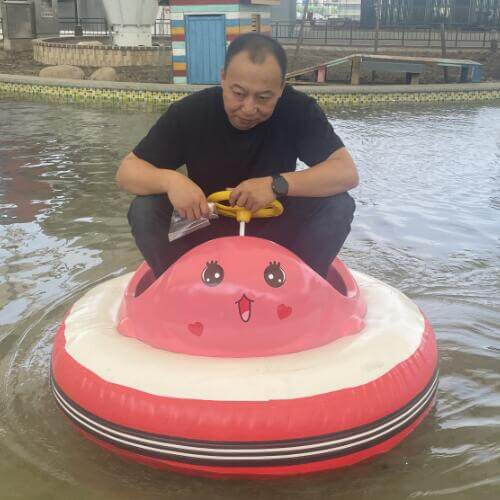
[264,98]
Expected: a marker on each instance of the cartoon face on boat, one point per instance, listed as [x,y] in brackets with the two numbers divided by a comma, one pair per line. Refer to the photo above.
[236,297]
[273,274]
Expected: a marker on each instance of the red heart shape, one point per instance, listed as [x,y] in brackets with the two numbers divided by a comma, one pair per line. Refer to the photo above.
[196,328]
[284,311]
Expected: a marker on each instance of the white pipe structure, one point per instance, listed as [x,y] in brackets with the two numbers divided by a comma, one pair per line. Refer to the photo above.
[131,21]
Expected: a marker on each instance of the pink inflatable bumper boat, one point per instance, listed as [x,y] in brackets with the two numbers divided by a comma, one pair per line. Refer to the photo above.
[241,360]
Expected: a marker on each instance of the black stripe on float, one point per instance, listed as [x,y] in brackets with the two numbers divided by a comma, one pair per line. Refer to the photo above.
[251,453]
[202,444]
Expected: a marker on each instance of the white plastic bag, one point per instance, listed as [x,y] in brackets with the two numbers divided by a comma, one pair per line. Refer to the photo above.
[179,226]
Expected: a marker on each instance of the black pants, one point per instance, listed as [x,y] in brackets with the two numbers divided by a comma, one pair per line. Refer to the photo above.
[313,228]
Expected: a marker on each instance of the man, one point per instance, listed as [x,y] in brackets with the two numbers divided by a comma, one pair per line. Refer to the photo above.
[246,134]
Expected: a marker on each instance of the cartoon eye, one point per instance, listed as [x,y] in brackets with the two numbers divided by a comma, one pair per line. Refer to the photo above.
[213,273]
[274,275]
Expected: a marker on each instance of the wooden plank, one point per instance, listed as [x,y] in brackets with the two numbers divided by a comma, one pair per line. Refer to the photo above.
[264,2]
[355,70]
[424,60]
[310,69]
[321,75]
[476,74]
[414,78]
[392,67]
[464,74]
[335,62]
[448,65]
[401,64]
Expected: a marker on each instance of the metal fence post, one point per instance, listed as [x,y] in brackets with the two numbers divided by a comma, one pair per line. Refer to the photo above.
[456,37]
[484,38]
[326,31]
[403,37]
[429,41]
[494,40]
[350,36]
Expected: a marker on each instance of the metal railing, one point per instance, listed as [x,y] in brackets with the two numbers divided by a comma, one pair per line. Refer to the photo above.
[90,26]
[99,27]
[323,33]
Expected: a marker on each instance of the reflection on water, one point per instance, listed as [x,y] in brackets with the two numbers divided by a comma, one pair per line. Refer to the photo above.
[428,222]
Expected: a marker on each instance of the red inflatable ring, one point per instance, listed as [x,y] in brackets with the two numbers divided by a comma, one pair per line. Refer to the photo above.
[297,406]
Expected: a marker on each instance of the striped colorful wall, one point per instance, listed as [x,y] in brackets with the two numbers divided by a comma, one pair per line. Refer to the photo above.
[238,21]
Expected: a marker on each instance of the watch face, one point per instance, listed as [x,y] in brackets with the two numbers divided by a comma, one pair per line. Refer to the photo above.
[280,185]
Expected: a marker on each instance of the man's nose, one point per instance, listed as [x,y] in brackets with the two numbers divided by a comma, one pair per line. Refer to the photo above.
[249,106]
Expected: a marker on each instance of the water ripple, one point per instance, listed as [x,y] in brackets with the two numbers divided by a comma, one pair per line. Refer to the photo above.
[427,222]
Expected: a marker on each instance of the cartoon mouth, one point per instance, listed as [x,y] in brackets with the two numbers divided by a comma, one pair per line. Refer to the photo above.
[244,308]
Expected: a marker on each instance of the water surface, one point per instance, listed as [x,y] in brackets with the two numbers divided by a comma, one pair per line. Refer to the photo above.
[427,222]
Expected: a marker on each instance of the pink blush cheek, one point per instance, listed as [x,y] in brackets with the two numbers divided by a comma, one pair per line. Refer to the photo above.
[196,328]
[283,311]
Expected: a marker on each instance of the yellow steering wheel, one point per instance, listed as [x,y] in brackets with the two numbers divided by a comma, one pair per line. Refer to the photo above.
[242,214]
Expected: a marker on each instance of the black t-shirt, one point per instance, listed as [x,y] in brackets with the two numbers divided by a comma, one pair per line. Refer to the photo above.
[196,131]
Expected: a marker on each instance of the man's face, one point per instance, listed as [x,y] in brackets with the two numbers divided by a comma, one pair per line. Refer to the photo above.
[250,91]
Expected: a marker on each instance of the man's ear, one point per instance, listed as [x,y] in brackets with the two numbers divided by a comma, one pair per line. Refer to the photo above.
[282,88]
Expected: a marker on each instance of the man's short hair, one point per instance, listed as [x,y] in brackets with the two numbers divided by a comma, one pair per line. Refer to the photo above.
[258,47]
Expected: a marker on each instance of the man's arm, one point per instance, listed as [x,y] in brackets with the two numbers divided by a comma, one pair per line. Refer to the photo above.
[334,175]
[139,177]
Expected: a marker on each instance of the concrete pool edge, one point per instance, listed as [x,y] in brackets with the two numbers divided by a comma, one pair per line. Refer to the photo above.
[160,94]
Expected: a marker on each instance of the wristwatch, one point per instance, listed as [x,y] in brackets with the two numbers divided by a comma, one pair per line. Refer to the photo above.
[279,185]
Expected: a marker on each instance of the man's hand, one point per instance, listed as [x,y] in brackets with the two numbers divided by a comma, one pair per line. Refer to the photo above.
[187,198]
[253,194]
